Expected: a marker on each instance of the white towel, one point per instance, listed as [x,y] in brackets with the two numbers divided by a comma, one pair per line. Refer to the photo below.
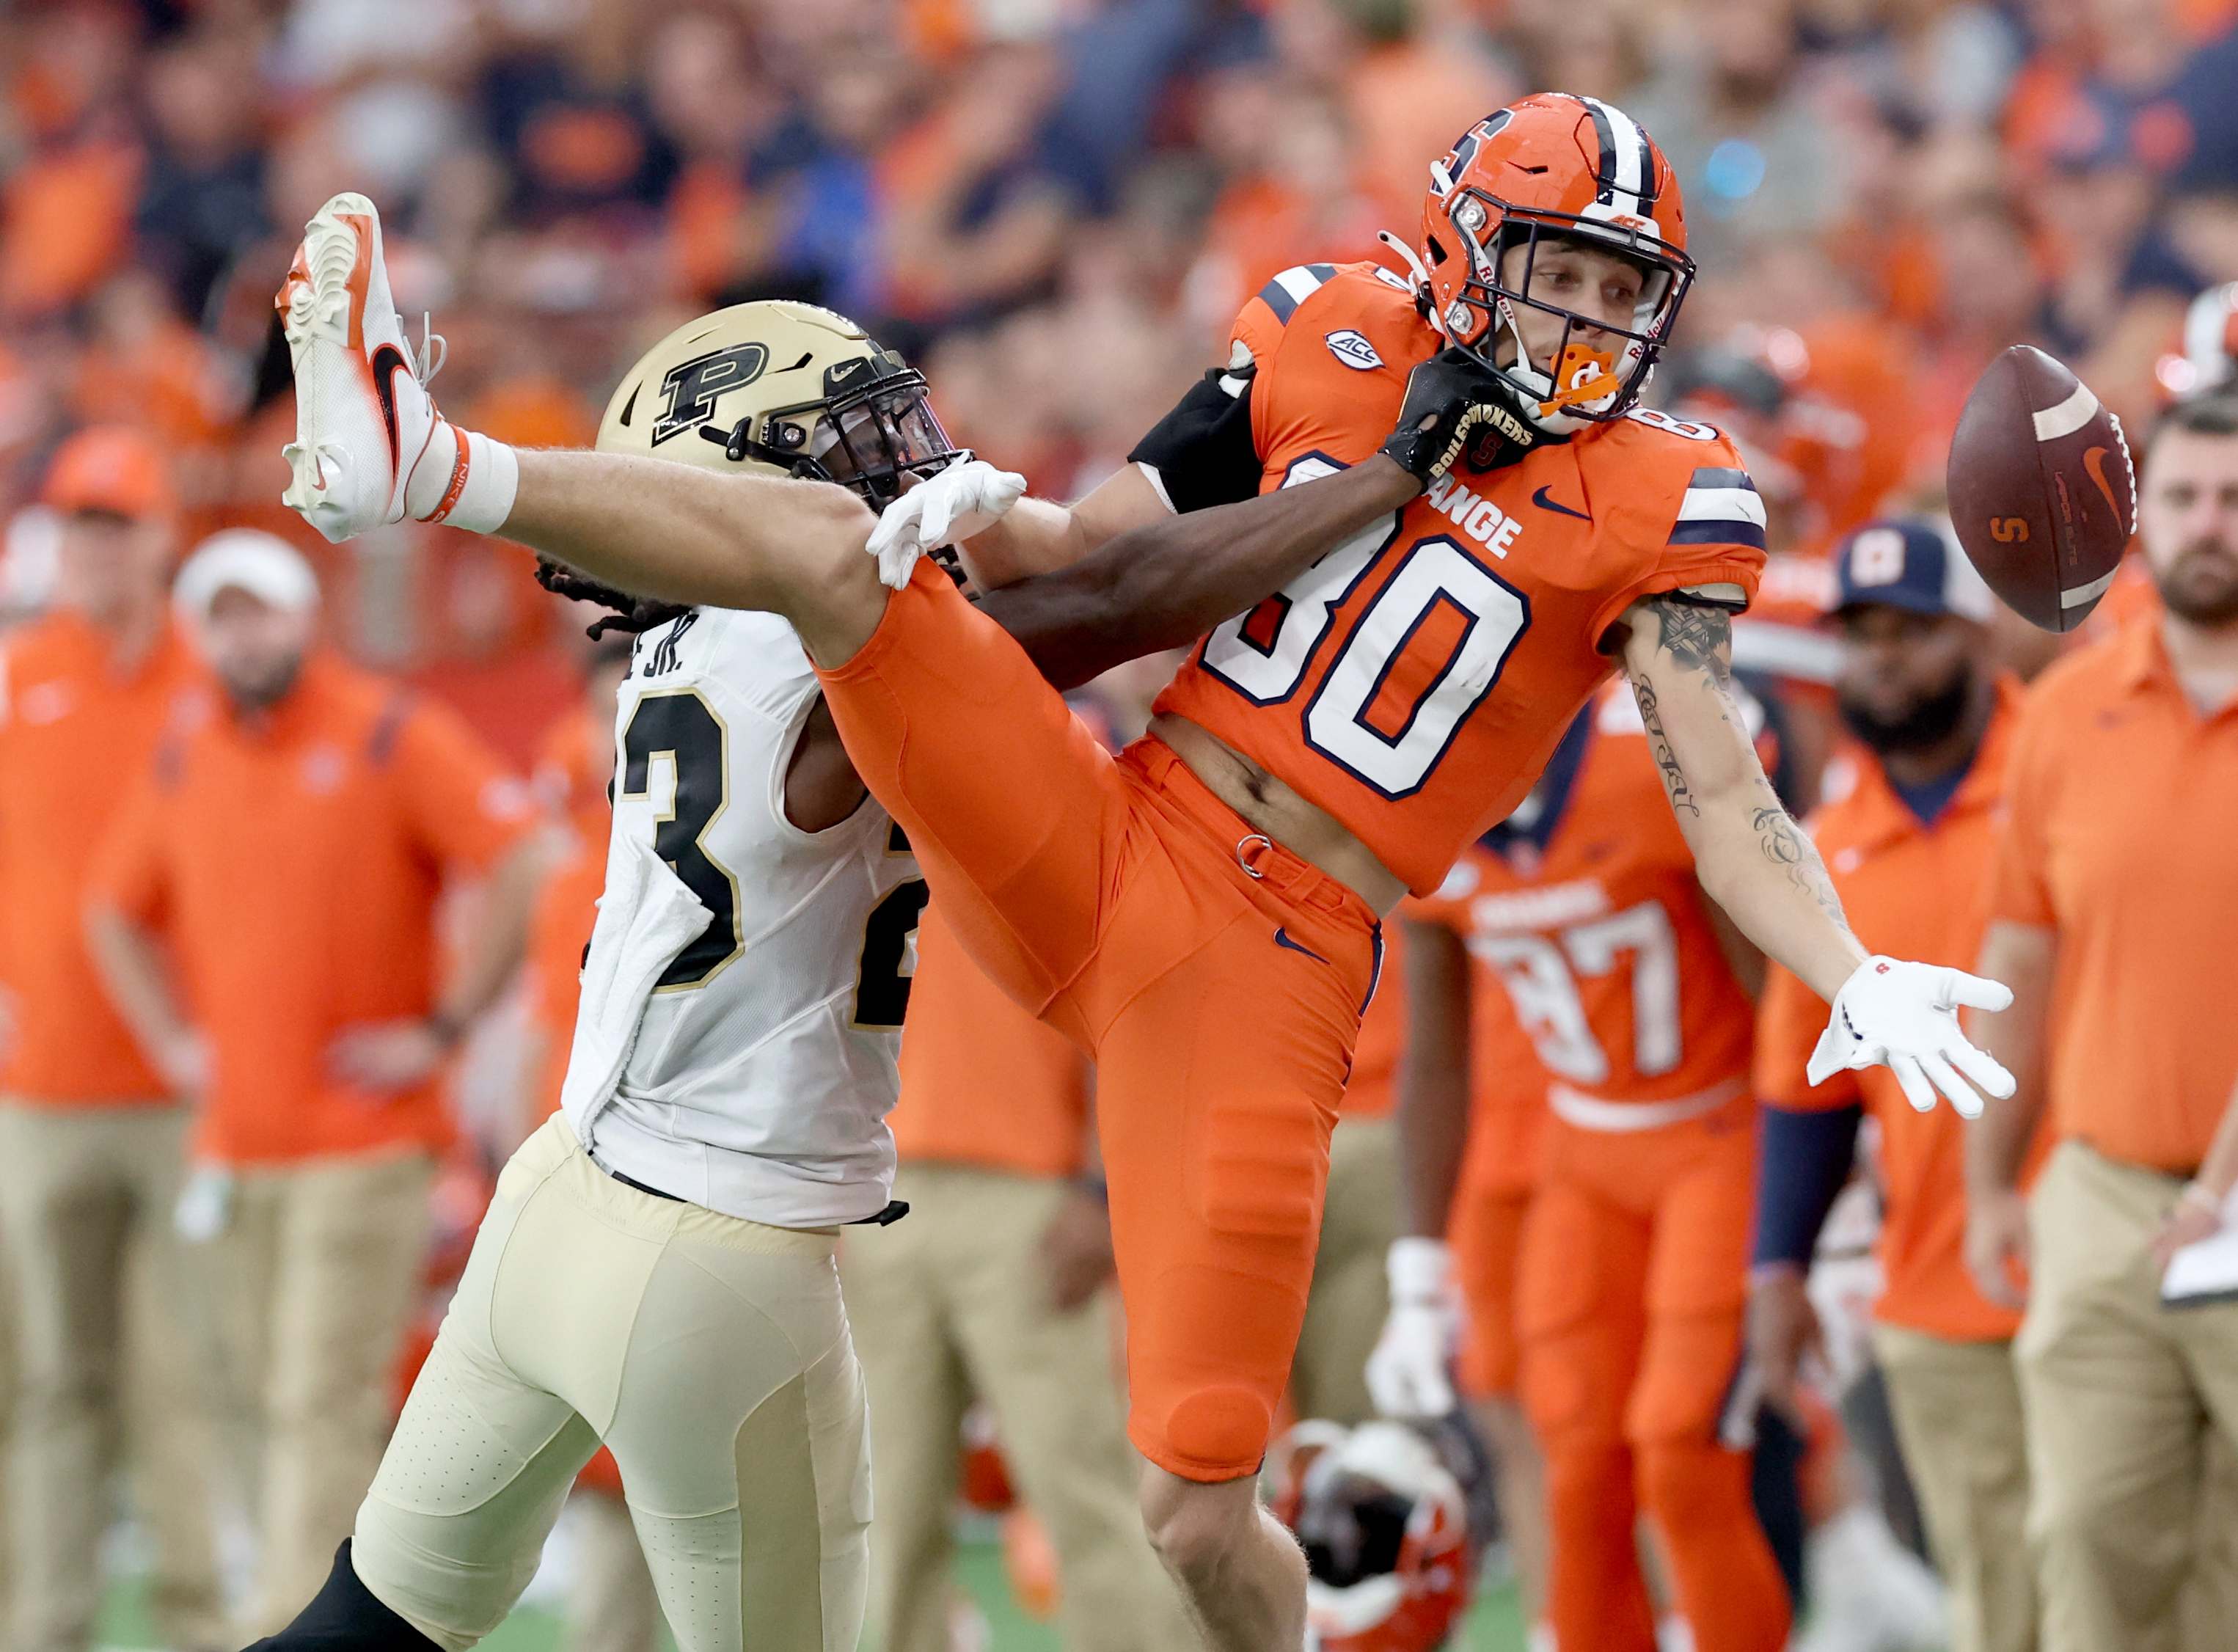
[646,917]
[2205,1270]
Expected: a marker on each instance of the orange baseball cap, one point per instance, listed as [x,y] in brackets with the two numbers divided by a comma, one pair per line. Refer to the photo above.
[111,467]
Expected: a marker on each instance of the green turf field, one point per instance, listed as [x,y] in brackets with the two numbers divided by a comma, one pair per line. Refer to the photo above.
[1495,1625]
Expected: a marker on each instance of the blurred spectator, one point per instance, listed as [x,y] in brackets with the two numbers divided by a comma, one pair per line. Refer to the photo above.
[1730,109]
[1407,96]
[202,200]
[281,860]
[93,1137]
[975,215]
[568,120]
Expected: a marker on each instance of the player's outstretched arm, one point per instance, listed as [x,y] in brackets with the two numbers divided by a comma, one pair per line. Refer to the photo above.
[1757,862]
[686,534]
[1165,585]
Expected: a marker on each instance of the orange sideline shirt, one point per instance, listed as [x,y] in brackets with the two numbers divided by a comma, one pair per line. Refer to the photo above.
[1917,892]
[73,736]
[294,870]
[983,1083]
[2123,835]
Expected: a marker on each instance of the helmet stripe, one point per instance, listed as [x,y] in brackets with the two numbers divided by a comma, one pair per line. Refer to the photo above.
[1626,172]
[1604,172]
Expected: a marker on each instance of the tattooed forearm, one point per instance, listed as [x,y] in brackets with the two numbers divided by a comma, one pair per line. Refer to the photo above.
[1659,743]
[1699,638]
[1785,846]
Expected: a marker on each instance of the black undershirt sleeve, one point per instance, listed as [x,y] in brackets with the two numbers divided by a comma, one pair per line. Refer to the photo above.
[1202,450]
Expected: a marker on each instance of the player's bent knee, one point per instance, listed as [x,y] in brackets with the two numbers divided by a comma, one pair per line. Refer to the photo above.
[1196,1526]
[346,1616]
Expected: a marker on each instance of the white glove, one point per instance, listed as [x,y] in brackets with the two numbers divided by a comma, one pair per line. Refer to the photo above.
[1409,1375]
[968,497]
[1906,1016]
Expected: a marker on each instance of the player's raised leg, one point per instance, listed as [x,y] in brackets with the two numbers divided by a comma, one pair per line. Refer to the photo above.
[372,449]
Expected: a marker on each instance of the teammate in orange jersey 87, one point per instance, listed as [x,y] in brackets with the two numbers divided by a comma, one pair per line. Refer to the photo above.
[1202,911]
[1628,990]
[1462,1103]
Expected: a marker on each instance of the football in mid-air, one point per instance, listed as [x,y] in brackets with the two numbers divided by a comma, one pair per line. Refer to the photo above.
[2042,490]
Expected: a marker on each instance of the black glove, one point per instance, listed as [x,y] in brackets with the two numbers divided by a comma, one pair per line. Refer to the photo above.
[1453,402]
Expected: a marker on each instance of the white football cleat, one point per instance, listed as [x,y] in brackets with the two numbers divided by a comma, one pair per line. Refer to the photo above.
[363,416]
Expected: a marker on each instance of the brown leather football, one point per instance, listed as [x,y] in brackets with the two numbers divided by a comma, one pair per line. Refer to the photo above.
[2042,490]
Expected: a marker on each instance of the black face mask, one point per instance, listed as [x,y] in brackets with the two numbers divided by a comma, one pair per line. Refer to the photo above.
[1926,724]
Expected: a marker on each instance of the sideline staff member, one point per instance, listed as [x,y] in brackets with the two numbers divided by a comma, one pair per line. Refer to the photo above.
[1908,831]
[290,849]
[92,1140]
[2115,923]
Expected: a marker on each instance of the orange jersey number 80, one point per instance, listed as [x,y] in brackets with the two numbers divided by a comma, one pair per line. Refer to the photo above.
[1539,975]
[1386,709]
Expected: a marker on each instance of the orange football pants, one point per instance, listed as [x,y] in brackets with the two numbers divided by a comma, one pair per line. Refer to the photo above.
[1633,1284]
[1217,979]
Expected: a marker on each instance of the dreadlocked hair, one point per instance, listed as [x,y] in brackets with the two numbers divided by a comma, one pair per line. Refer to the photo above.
[631,614]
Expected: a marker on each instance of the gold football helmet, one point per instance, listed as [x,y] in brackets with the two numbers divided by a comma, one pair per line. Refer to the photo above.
[782,386]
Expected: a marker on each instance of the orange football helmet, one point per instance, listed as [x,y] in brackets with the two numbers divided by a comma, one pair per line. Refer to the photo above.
[1386,1528]
[1555,168]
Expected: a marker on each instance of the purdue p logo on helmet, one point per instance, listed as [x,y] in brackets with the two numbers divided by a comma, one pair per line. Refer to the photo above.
[783,388]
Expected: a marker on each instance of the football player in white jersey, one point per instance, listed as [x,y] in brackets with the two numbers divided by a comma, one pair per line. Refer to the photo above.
[656,1269]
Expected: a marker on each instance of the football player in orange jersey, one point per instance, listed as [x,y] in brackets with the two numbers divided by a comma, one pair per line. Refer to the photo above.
[1200,912]
[1635,991]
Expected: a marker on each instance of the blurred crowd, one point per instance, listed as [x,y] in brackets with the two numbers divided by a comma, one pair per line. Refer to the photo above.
[1055,207]
[1058,205]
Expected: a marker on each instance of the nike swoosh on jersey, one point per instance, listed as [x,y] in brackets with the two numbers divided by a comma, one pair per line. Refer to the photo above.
[1282,939]
[388,361]
[1540,500]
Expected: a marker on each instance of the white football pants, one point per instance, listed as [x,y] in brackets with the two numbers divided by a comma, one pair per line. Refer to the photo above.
[711,1353]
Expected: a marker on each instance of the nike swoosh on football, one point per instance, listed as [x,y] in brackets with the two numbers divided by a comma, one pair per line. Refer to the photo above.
[388,361]
[1282,939]
[2094,461]
[1540,500]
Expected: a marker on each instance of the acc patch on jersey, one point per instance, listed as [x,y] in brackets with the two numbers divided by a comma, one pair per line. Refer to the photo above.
[1354,350]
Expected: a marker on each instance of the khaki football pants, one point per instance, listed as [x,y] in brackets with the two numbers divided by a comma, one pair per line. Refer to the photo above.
[951,1302]
[1348,1301]
[711,1353]
[315,1278]
[2124,1400]
[104,1307]
[1958,1411]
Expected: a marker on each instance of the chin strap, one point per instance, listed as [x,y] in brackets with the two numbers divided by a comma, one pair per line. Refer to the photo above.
[1422,300]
